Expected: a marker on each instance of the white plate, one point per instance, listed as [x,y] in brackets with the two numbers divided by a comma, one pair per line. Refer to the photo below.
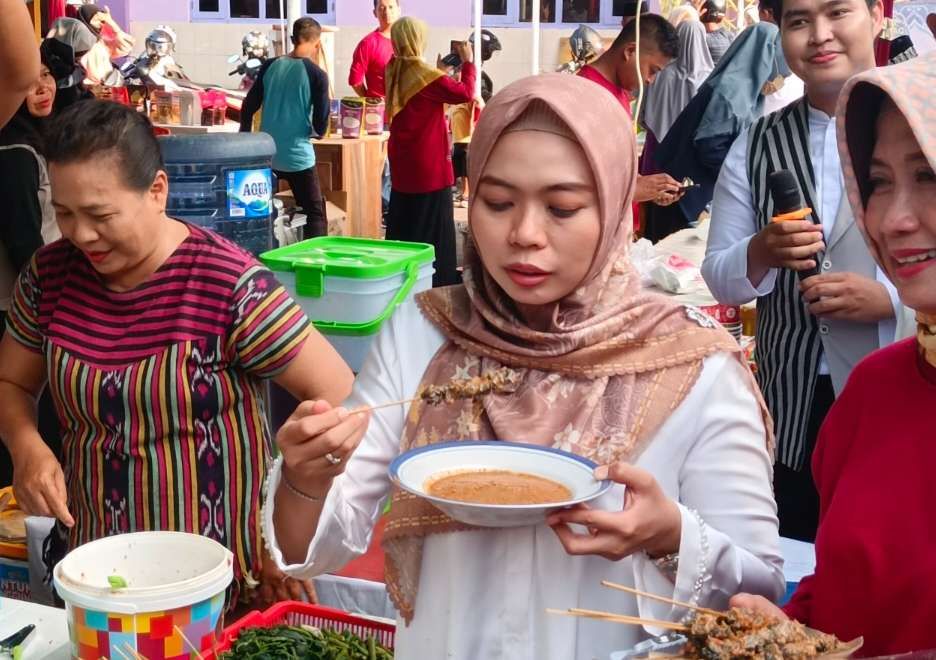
[411,471]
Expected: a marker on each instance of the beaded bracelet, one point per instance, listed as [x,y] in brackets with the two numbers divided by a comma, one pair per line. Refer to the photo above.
[298,493]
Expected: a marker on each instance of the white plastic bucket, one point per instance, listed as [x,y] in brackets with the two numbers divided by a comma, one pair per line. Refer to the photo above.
[174,598]
[351,300]
[348,300]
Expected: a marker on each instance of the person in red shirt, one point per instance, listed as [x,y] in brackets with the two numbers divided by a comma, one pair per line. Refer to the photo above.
[875,573]
[374,52]
[421,208]
[617,71]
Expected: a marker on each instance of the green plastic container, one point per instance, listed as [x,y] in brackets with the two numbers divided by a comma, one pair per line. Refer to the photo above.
[349,287]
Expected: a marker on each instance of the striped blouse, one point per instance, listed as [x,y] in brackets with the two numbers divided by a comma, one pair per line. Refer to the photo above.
[158,389]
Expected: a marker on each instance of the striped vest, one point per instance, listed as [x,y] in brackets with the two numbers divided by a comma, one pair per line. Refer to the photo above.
[788,343]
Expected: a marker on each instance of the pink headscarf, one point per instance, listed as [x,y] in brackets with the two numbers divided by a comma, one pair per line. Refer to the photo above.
[910,86]
[606,371]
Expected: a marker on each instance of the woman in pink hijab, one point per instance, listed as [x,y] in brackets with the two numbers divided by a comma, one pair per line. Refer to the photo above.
[875,570]
[655,392]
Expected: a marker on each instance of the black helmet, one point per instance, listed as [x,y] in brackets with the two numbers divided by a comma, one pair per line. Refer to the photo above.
[714,11]
[489,44]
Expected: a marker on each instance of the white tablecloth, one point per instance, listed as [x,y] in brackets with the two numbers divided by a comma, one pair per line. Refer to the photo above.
[49,642]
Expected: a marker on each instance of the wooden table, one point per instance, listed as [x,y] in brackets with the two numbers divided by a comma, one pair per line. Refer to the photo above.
[351,171]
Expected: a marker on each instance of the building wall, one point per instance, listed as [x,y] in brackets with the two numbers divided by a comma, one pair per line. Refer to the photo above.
[204,46]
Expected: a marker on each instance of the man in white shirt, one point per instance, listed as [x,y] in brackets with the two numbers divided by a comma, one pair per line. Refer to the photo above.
[791,89]
[811,329]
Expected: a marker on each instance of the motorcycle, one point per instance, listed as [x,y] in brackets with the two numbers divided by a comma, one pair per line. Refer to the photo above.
[255,50]
[156,66]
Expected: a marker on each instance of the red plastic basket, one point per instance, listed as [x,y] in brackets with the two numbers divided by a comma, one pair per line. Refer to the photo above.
[296,613]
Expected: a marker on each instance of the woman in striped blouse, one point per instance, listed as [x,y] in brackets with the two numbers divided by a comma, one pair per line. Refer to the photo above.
[154,337]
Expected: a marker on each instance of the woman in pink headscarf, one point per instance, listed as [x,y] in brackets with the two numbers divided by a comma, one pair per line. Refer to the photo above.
[655,392]
[875,571]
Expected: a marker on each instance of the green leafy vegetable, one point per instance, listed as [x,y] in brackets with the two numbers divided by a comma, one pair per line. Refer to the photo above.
[304,643]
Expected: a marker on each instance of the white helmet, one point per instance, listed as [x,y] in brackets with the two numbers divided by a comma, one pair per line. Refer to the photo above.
[256,44]
[161,41]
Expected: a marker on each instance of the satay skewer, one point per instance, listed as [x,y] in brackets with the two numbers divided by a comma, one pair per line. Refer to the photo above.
[619,618]
[476,388]
[662,599]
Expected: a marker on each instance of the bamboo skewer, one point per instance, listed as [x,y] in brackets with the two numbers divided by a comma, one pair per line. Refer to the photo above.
[662,599]
[391,404]
[187,641]
[619,618]
[133,654]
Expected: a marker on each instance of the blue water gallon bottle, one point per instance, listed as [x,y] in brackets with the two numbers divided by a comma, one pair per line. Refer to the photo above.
[223,182]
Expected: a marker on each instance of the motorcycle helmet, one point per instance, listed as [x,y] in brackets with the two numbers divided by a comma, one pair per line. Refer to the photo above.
[256,44]
[585,44]
[490,44]
[161,41]
[714,11]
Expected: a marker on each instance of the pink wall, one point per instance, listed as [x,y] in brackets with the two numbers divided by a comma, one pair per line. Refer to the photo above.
[448,13]
[120,10]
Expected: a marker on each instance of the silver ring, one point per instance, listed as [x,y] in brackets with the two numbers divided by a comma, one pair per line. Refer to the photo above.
[334,460]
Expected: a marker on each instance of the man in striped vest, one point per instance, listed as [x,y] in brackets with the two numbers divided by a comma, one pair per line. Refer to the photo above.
[812,328]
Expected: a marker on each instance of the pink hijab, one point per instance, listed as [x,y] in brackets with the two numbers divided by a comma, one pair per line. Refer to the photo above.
[910,86]
[605,373]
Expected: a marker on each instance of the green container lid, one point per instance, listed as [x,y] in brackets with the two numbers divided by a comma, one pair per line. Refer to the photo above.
[353,258]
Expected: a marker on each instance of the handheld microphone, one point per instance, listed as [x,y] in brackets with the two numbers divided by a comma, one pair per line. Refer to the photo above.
[789,205]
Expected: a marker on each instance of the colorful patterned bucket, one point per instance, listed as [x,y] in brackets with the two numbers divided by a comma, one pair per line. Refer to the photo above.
[171,607]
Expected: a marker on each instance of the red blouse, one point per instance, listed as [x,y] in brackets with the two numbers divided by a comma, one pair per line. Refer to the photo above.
[419,149]
[876,547]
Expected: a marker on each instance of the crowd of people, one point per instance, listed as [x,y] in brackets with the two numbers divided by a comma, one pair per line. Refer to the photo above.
[143,342]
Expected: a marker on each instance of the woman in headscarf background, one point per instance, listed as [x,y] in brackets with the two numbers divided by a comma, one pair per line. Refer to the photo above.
[655,390]
[421,208]
[875,576]
[113,46]
[66,43]
[672,90]
[29,219]
[729,100]
[681,14]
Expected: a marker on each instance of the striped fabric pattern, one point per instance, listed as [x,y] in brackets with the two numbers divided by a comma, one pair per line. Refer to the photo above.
[158,389]
[788,348]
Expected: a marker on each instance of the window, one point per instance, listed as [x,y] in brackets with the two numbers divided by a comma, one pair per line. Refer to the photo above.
[258,10]
[555,12]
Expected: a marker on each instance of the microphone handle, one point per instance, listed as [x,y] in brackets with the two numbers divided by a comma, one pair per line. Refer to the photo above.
[805,274]
[815,270]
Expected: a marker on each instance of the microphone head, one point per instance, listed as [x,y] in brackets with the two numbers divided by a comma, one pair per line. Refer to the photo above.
[785,191]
